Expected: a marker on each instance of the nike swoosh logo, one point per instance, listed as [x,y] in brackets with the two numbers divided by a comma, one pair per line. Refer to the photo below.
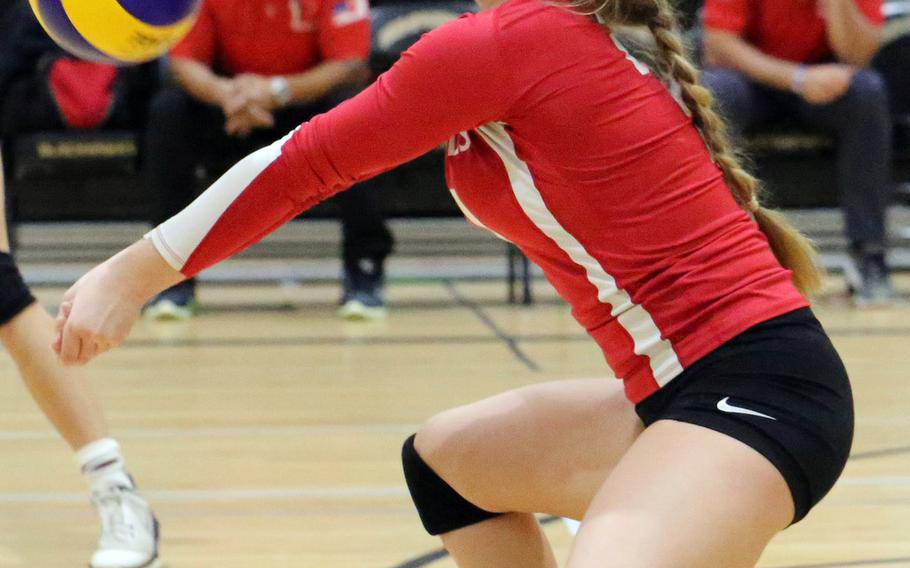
[724,406]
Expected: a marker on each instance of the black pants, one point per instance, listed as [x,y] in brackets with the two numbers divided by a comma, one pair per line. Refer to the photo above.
[184,133]
[892,62]
[860,120]
[25,108]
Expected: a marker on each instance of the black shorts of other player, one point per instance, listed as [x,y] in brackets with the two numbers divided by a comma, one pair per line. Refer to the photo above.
[780,388]
[14,294]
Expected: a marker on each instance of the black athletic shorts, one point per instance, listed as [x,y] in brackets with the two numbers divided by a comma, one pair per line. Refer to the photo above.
[780,388]
[14,294]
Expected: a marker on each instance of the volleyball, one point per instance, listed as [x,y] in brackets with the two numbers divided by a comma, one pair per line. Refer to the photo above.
[116,31]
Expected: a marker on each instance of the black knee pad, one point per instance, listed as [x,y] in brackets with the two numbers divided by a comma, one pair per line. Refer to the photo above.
[440,507]
[14,294]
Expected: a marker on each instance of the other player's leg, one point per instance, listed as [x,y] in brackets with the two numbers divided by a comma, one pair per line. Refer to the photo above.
[129,530]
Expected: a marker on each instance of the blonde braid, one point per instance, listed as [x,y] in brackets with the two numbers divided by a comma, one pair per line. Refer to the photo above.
[792,249]
[699,102]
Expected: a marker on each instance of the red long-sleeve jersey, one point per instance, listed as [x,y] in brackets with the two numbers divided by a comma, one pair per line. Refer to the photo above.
[562,143]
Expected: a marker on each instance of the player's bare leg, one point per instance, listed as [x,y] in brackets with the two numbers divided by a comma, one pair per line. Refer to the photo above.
[675,496]
[684,497]
[513,539]
[65,396]
[545,448]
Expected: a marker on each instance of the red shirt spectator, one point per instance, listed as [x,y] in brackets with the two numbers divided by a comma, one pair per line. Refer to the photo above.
[276,37]
[249,72]
[793,30]
[804,63]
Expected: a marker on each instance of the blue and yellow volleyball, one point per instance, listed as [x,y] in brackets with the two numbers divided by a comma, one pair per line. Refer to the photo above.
[116,31]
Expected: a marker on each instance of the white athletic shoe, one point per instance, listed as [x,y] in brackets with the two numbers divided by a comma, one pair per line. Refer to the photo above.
[129,529]
[357,310]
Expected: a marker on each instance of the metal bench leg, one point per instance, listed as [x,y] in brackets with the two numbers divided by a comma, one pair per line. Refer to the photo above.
[519,267]
[9,203]
[511,273]
[527,299]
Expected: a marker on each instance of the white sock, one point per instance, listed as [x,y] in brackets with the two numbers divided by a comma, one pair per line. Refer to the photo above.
[102,462]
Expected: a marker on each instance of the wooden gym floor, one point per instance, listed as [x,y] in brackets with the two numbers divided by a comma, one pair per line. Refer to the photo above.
[266,432]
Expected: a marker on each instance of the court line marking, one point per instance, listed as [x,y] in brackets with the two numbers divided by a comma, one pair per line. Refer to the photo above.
[876,480]
[477,310]
[869,562]
[513,341]
[223,432]
[216,495]
[867,331]
[885,452]
[19,435]
[310,493]
[434,555]
[308,341]
[424,559]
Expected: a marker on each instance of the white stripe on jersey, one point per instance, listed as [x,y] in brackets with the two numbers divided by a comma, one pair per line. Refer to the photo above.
[632,317]
[179,236]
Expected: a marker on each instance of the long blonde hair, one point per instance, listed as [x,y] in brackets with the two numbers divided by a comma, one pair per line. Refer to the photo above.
[792,249]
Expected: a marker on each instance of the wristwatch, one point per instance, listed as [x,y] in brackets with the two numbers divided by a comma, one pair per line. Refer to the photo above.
[798,81]
[281,90]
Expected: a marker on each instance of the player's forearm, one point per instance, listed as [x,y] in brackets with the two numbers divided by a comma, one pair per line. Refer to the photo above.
[200,81]
[245,204]
[142,270]
[725,49]
[322,79]
[372,132]
[853,38]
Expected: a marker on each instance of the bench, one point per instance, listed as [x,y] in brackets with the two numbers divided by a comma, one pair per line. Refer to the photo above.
[94,175]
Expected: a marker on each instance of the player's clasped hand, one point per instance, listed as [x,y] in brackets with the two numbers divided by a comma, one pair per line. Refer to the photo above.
[247,104]
[827,82]
[96,314]
[100,309]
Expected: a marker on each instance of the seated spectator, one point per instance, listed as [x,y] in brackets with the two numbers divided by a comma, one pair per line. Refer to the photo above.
[44,88]
[247,74]
[893,62]
[805,63]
